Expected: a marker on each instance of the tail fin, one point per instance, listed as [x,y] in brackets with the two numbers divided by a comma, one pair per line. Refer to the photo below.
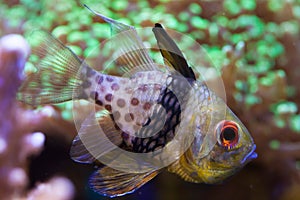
[59,76]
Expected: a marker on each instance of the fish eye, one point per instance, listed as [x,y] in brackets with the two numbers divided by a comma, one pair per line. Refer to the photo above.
[228,134]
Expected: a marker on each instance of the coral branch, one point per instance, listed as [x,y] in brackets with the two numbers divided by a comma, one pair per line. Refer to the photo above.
[18,141]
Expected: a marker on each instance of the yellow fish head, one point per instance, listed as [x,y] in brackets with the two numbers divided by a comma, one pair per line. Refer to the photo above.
[234,149]
[231,149]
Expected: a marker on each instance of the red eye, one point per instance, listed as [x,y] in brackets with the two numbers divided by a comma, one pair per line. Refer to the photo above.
[228,132]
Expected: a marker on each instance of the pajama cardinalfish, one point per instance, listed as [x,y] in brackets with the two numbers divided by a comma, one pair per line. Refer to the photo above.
[143,112]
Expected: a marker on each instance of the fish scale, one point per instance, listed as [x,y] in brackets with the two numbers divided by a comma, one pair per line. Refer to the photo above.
[166,124]
[167,131]
[109,92]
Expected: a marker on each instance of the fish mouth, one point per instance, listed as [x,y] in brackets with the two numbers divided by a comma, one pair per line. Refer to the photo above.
[250,156]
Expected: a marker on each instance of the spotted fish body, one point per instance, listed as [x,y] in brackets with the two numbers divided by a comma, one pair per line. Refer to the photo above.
[130,105]
[168,113]
[136,105]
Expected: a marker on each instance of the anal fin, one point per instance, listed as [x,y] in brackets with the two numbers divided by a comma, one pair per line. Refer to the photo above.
[110,182]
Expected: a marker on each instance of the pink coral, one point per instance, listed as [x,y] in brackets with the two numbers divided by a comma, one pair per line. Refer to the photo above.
[18,141]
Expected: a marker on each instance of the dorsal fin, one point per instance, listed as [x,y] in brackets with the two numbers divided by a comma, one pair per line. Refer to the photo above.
[117,27]
[129,48]
[110,182]
[172,53]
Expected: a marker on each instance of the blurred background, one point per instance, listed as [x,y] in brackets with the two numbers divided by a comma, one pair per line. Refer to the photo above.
[256,46]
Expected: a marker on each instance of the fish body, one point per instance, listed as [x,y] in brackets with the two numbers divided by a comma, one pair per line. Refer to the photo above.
[129,100]
[151,119]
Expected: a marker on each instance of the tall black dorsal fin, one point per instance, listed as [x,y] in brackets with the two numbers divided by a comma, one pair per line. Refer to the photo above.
[171,52]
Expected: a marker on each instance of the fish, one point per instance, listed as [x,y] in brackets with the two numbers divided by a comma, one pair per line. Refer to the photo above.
[154,117]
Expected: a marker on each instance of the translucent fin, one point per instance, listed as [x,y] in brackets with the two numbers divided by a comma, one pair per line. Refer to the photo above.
[57,76]
[112,183]
[129,48]
[171,52]
[90,144]
[185,169]
[79,153]
[117,27]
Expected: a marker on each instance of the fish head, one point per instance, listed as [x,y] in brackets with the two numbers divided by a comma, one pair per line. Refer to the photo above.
[231,149]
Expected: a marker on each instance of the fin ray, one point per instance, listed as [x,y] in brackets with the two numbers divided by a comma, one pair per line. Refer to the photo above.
[130,51]
[112,183]
[57,78]
[171,52]
[93,138]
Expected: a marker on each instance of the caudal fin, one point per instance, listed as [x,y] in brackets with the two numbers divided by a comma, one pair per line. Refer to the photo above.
[59,77]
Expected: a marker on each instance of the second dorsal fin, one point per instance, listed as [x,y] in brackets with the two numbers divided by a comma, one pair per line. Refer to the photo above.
[128,46]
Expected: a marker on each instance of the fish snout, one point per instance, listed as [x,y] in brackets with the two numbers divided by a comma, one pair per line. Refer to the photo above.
[250,156]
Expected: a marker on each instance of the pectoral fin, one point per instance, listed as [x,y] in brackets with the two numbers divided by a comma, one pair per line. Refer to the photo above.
[112,183]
